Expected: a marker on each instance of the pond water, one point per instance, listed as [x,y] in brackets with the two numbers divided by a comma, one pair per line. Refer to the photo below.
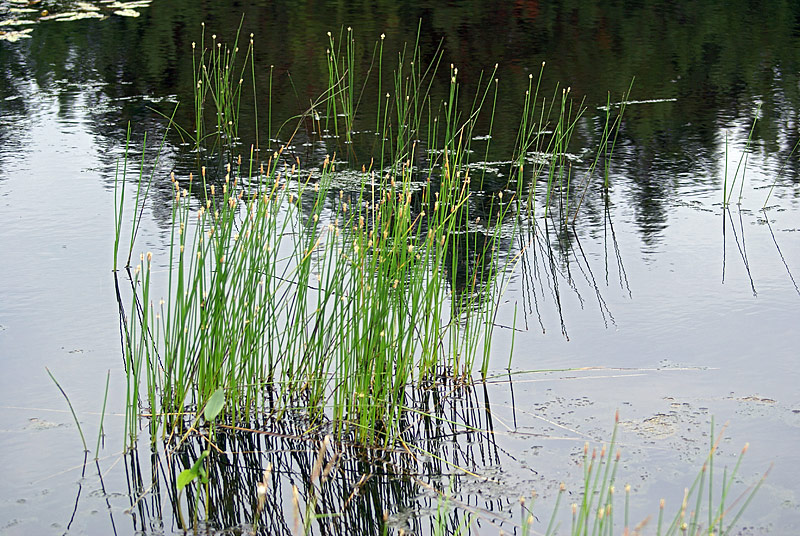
[659,303]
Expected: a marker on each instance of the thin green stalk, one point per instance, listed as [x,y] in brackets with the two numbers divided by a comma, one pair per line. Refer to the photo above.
[71,409]
[102,417]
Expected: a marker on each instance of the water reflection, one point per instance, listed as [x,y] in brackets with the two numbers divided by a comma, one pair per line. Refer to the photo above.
[554,262]
[327,489]
[708,64]
[713,80]
[739,238]
[780,253]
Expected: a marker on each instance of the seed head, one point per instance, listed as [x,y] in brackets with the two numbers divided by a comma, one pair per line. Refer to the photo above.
[261,491]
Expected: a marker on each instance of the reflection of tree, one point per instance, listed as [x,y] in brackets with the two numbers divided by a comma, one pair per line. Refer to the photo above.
[678,51]
[13,107]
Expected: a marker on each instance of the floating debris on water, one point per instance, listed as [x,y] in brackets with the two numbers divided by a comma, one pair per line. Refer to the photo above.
[16,22]
[127,13]
[85,6]
[73,15]
[128,5]
[539,157]
[15,35]
[605,108]
[77,11]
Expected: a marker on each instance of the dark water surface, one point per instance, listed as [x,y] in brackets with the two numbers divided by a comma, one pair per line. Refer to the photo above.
[664,305]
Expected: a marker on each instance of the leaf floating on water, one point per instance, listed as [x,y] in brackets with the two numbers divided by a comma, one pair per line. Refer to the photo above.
[15,35]
[127,13]
[79,16]
[128,5]
[58,16]
[644,101]
[73,15]
[85,6]
[16,22]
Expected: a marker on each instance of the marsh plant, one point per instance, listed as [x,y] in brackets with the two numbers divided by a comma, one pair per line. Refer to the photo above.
[286,300]
[339,325]
[294,294]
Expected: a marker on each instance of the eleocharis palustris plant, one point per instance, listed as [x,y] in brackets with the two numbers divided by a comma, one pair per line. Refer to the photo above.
[289,292]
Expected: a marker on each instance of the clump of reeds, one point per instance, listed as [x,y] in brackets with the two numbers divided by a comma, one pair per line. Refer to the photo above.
[339,312]
[293,297]
[287,295]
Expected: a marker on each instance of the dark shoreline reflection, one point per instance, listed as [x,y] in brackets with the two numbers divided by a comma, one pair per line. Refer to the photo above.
[713,79]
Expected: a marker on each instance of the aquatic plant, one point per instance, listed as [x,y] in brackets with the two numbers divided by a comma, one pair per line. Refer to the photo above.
[288,294]
[598,512]
[727,192]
